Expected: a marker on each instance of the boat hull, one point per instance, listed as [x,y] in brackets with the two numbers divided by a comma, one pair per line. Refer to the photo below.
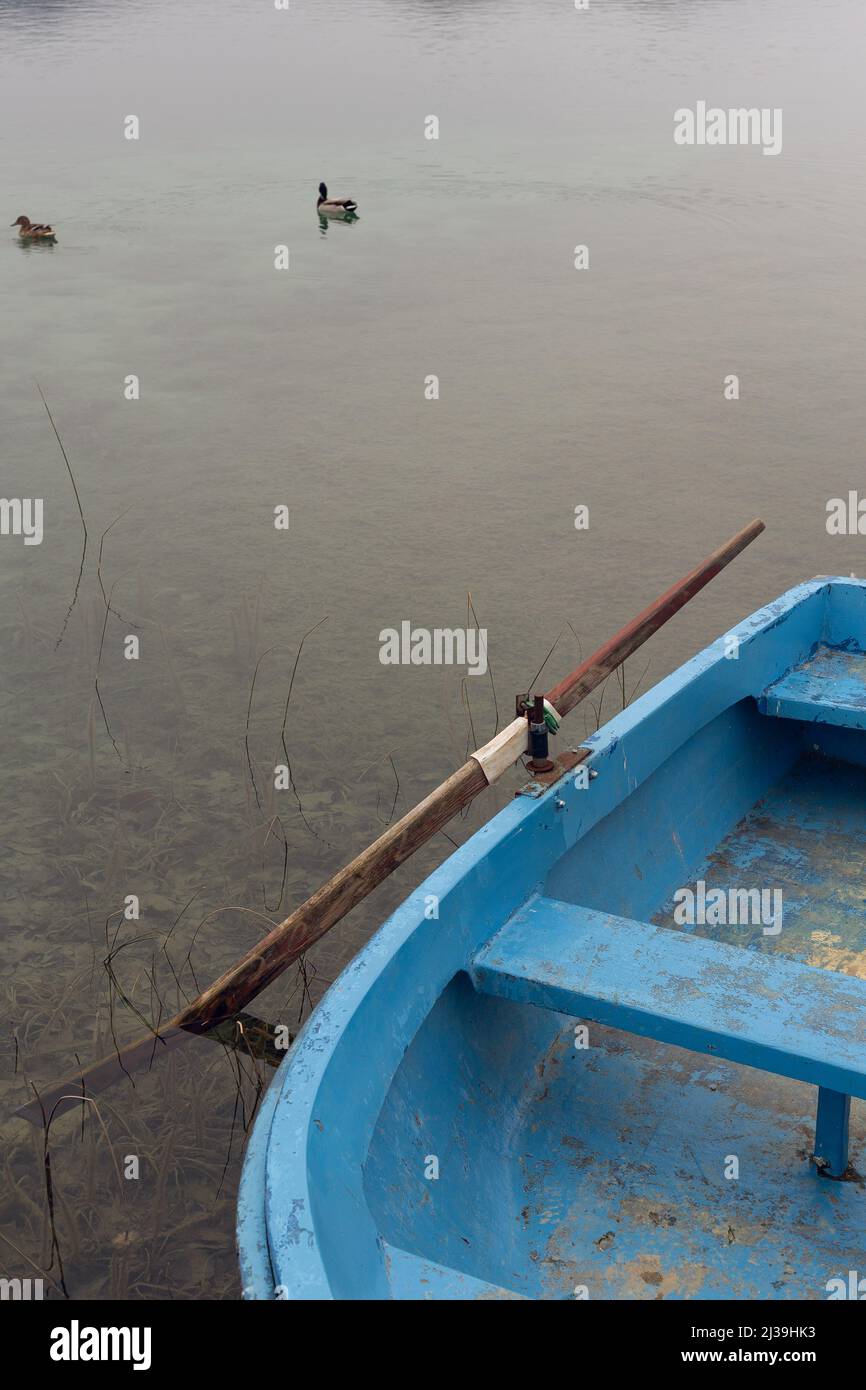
[531,1092]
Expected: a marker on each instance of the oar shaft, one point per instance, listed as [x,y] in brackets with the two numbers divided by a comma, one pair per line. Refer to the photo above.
[357,880]
[270,956]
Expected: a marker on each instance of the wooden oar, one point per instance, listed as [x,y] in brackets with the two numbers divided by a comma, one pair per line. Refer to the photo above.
[261,965]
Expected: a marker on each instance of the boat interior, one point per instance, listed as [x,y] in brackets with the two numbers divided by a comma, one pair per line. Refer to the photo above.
[641,1084]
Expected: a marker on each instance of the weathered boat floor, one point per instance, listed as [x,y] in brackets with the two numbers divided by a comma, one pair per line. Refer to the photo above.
[604,1168]
[807,838]
[608,1171]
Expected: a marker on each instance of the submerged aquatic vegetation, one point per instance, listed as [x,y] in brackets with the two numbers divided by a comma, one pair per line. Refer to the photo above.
[134,1196]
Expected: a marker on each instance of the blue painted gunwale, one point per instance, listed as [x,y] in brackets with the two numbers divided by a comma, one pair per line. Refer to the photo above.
[305,1226]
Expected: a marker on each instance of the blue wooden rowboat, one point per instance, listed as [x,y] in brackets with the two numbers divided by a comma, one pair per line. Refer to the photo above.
[608,1048]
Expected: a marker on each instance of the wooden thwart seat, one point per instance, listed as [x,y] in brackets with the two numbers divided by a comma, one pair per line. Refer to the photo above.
[755,1008]
[828,688]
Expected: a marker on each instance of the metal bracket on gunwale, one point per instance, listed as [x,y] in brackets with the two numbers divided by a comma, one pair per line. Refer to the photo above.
[566,762]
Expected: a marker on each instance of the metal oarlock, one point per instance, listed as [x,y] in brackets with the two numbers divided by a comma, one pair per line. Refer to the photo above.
[540,760]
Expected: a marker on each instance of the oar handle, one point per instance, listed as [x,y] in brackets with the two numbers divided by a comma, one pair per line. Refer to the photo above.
[574,688]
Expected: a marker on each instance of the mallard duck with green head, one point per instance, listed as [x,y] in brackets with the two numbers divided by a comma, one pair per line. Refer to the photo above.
[335,207]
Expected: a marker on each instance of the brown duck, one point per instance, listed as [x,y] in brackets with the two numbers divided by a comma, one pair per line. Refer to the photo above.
[34,231]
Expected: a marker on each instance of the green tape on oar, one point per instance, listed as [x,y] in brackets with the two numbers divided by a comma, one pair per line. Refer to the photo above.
[551,718]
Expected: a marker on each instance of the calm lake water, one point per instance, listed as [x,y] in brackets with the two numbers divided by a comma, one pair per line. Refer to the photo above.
[306,388]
